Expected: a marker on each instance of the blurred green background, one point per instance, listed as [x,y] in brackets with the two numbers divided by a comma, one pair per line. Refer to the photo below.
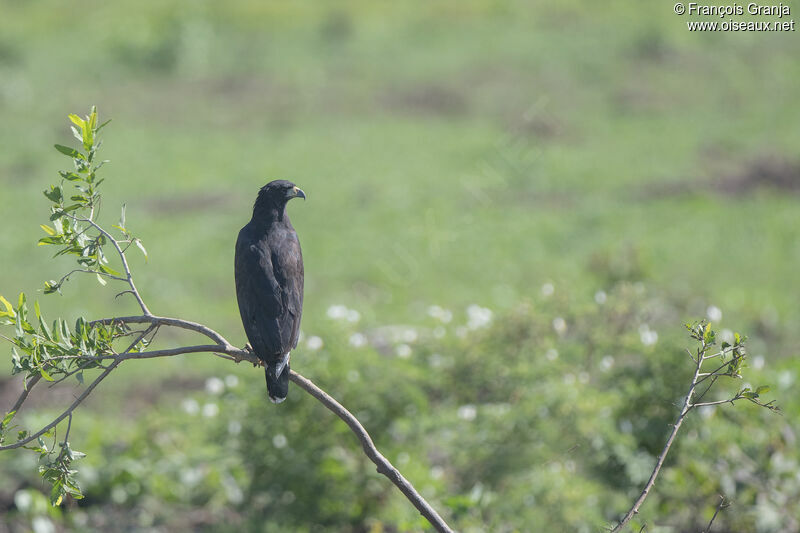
[512,209]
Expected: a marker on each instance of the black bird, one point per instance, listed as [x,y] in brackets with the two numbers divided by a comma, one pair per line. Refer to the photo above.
[269,283]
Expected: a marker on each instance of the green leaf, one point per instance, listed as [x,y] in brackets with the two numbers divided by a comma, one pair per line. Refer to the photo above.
[51,286]
[78,121]
[9,309]
[101,280]
[122,218]
[44,241]
[47,229]
[109,270]
[54,194]
[7,419]
[45,375]
[72,152]
[56,493]
[763,389]
[71,176]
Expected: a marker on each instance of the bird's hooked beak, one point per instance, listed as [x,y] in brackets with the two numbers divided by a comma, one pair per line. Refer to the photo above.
[297,192]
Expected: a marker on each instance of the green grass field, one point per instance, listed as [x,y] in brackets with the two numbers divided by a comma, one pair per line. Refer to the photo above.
[453,153]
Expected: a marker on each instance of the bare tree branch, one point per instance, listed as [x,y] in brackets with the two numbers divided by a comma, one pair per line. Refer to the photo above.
[687,406]
[722,505]
[237,354]
[383,465]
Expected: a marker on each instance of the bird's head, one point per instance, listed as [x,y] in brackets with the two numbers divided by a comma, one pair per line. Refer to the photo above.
[275,194]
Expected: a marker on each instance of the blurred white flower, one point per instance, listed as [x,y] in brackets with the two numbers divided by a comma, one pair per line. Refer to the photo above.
[583,377]
[714,313]
[231,380]
[437,472]
[600,297]
[353,376]
[758,362]
[726,335]
[569,379]
[189,476]
[314,343]
[785,379]
[467,412]
[357,340]
[190,406]
[210,410]
[352,316]
[403,350]
[279,440]
[626,426]
[551,354]
[337,312]
[42,524]
[23,500]
[214,385]
[706,411]
[234,427]
[548,289]
[341,312]
[409,335]
[439,332]
[441,314]
[647,335]
[435,360]
[478,317]
[560,325]
[607,362]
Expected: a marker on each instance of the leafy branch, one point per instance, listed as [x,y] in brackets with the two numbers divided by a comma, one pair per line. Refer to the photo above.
[732,358]
[57,351]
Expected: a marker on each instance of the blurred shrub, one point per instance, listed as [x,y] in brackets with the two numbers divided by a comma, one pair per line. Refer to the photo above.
[551,415]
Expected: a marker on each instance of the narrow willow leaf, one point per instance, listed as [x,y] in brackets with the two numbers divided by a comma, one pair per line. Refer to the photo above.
[141,247]
[47,229]
[101,280]
[9,309]
[72,152]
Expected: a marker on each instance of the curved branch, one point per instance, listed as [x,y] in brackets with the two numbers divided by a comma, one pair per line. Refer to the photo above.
[165,321]
[237,354]
[383,465]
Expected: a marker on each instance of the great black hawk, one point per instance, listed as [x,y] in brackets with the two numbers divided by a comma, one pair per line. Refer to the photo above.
[268,268]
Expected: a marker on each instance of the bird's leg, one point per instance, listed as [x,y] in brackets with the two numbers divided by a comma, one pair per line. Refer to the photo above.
[248,348]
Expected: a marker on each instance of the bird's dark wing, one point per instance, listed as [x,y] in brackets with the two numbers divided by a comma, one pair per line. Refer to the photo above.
[260,300]
[287,260]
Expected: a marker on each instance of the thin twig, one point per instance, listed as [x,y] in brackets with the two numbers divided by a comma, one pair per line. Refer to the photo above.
[383,465]
[77,401]
[66,413]
[687,406]
[128,275]
[722,505]
[26,389]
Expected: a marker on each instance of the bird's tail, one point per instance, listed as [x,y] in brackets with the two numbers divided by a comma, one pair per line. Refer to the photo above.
[278,380]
